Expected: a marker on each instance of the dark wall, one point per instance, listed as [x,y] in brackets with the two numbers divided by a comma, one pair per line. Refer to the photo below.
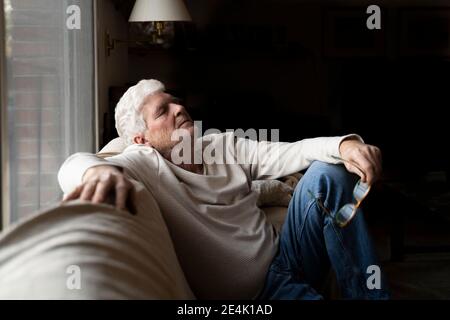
[244,64]
[402,107]
[314,69]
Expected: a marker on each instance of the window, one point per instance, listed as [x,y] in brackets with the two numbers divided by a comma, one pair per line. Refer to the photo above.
[49,98]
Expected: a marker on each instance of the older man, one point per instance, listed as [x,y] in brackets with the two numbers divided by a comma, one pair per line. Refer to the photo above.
[225,245]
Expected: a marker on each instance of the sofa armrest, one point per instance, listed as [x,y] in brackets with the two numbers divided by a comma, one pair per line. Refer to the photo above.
[117,255]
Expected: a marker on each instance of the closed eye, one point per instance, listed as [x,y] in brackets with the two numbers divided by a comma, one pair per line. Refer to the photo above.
[161,111]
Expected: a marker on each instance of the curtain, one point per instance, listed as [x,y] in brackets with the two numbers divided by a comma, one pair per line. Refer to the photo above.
[50,96]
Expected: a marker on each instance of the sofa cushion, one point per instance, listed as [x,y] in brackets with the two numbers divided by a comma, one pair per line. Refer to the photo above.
[113,148]
[116,255]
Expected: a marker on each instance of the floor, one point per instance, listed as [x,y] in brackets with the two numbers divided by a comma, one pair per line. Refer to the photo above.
[424,275]
[420,277]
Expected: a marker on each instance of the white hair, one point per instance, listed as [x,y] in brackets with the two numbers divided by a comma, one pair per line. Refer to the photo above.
[128,114]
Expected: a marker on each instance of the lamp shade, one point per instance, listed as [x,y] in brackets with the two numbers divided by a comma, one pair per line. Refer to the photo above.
[159,10]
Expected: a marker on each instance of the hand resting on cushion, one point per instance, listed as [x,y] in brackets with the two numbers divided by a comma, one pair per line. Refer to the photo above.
[105,184]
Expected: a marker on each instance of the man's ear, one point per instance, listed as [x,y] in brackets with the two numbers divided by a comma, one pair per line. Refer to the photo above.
[140,139]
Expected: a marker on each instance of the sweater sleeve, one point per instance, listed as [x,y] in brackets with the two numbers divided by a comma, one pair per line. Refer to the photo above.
[136,161]
[272,160]
[71,173]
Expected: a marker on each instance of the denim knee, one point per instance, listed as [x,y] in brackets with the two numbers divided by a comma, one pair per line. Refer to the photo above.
[329,182]
[336,173]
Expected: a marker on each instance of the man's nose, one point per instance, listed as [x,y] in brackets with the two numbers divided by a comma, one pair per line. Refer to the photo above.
[179,110]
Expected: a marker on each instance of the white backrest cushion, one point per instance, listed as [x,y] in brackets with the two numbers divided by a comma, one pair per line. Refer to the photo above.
[113,148]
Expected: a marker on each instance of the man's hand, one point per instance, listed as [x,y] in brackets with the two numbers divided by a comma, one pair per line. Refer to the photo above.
[105,184]
[362,159]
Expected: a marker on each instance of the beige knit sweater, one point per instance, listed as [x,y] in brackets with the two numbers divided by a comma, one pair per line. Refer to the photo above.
[222,239]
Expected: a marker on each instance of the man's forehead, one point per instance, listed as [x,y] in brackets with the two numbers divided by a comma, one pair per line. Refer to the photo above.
[154,98]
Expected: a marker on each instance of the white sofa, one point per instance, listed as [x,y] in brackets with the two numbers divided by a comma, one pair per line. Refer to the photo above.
[118,256]
[114,255]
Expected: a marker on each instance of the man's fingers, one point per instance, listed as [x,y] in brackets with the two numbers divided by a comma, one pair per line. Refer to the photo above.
[105,185]
[102,191]
[362,159]
[88,191]
[370,176]
[74,194]
[121,194]
[125,196]
[368,169]
[354,168]
[372,164]
[376,156]
[362,174]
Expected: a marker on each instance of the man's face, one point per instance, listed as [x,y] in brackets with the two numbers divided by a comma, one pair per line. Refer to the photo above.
[164,114]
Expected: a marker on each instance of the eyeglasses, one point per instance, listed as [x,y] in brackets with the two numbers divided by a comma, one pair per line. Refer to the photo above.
[345,214]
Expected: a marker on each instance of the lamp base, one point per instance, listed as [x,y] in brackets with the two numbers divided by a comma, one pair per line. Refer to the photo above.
[155,33]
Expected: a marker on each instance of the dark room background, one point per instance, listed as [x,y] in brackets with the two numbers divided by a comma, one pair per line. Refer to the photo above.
[312,69]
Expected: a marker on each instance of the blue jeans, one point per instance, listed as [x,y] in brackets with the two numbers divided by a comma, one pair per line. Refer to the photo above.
[311,242]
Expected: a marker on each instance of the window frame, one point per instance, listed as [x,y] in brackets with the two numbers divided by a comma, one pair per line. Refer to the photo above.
[97,58]
[4,190]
